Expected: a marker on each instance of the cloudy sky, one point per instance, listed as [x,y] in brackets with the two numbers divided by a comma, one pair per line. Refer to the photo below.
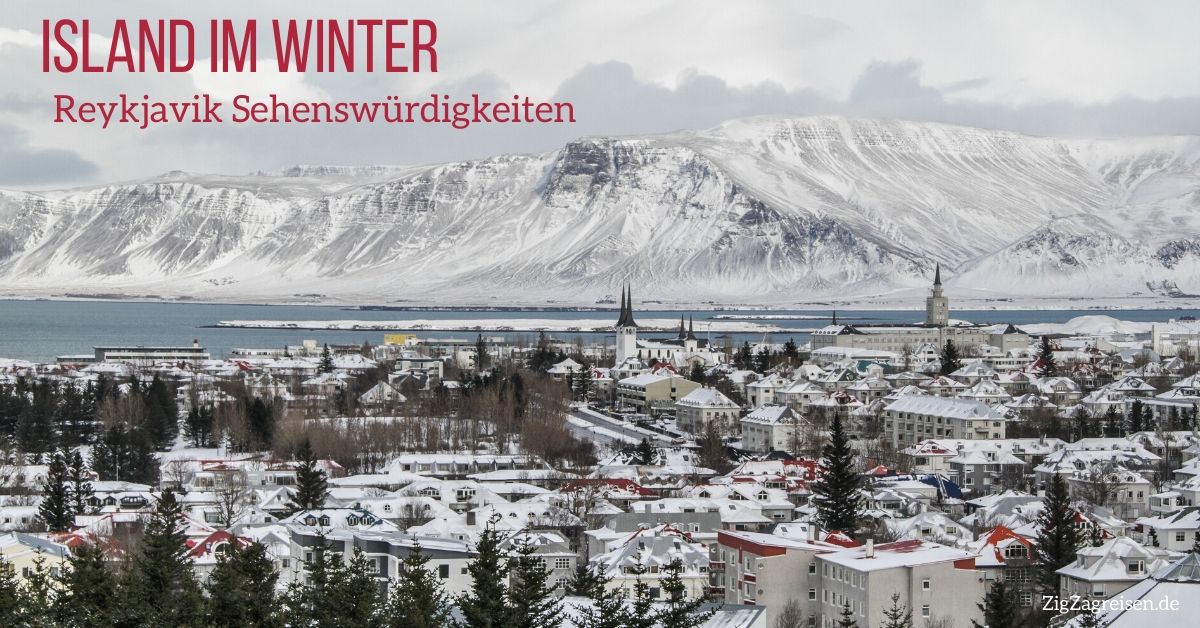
[646,66]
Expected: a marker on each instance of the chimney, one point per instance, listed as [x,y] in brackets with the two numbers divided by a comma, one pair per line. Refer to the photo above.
[812,532]
[195,343]
[870,551]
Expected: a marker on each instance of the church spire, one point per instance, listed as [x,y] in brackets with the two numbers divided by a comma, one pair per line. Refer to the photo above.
[937,276]
[690,333]
[682,329]
[626,318]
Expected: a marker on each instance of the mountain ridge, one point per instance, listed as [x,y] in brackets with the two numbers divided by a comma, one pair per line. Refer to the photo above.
[771,210]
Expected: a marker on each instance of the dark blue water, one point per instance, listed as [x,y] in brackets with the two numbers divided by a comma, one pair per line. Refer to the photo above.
[42,330]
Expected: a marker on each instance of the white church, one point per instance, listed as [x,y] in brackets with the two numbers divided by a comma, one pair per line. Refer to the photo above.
[634,356]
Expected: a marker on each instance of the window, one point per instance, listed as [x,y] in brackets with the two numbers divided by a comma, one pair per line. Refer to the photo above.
[812,568]
[1026,598]
[443,571]
[812,594]
[1097,589]
[925,611]
[1179,536]
[925,585]
[562,563]
[1135,566]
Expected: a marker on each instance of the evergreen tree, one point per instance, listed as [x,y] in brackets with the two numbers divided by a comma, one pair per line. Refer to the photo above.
[640,611]
[645,452]
[531,599]
[417,599]
[1196,542]
[585,384]
[482,359]
[744,359]
[847,618]
[125,454]
[1112,422]
[608,608]
[161,587]
[89,594]
[162,414]
[950,360]
[311,486]
[584,581]
[1000,607]
[81,485]
[13,605]
[198,426]
[1059,539]
[260,419]
[56,508]
[484,605]
[791,351]
[1134,420]
[1153,537]
[835,492]
[680,611]
[898,615]
[763,360]
[35,424]
[326,364]
[338,594]
[241,589]
[1047,366]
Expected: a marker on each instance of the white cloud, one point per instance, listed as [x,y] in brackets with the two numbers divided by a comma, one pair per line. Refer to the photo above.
[266,80]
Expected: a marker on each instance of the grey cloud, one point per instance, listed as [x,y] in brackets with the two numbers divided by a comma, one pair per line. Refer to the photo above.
[21,164]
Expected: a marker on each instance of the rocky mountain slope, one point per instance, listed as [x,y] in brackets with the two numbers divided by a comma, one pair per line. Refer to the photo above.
[763,210]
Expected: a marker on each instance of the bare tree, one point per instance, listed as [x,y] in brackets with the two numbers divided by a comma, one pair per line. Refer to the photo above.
[234,498]
[791,615]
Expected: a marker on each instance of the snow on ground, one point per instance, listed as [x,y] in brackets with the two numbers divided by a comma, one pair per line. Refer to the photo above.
[509,324]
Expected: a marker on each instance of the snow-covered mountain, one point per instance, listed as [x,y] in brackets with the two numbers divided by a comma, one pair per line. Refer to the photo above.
[763,210]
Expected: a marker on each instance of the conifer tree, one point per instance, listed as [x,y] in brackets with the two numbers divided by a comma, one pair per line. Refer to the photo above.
[198,426]
[531,599]
[484,605]
[1196,542]
[482,359]
[14,599]
[56,510]
[241,589]
[640,612]
[125,454]
[838,501]
[1112,422]
[260,419]
[697,374]
[338,594]
[89,590]
[326,364]
[680,611]
[1135,418]
[584,581]
[311,486]
[897,615]
[161,586]
[846,619]
[162,414]
[1059,539]
[1048,366]
[645,452]
[1000,607]
[585,383]
[607,608]
[417,599]
[1153,537]
[81,484]
[950,360]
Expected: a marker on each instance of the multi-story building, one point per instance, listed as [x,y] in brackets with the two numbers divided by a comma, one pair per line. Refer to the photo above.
[913,418]
[1101,572]
[933,580]
[771,428]
[703,406]
[768,570]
